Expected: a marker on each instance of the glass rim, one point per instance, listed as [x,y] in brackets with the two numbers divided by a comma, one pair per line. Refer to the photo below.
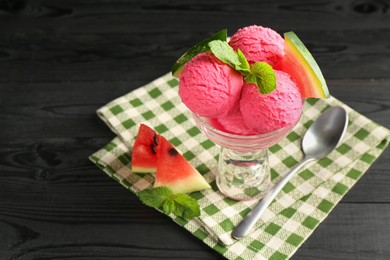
[243,137]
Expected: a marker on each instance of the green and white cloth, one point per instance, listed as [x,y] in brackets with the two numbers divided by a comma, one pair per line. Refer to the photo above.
[295,213]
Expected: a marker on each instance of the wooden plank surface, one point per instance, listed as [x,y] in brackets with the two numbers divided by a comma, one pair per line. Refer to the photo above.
[61,60]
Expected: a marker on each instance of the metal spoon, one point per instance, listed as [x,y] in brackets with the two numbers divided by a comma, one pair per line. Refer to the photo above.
[320,139]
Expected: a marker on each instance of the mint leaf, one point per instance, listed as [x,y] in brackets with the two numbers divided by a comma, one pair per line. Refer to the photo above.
[155,197]
[264,76]
[225,53]
[261,73]
[244,67]
[181,205]
[168,206]
[250,78]
[186,206]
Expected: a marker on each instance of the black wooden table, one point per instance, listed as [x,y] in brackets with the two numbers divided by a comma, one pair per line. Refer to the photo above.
[61,60]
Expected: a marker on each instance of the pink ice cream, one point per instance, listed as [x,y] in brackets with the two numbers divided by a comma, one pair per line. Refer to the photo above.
[217,92]
[269,112]
[209,87]
[233,124]
[259,44]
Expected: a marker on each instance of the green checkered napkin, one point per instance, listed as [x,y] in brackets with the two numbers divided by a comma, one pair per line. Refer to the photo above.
[301,206]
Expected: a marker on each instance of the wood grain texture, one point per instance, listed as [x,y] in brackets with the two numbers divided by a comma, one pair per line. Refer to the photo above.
[61,60]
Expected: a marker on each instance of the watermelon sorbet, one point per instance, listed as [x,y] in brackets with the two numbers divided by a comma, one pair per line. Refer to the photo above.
[214,90]
[209,87]
[259,44]
[267,113]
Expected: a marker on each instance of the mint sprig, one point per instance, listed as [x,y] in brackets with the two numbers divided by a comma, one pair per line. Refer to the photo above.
[225,53]
[244,67]
[181,205]
[261,74]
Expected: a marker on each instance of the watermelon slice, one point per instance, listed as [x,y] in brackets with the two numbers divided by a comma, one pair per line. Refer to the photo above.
[153,153]
[175,172]
[144,155]
[300,64]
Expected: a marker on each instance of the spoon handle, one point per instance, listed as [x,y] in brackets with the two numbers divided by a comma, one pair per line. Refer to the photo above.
[250,220]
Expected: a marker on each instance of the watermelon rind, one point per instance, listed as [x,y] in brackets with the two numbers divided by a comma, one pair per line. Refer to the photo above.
[137,169]
[200,47]
[195,183]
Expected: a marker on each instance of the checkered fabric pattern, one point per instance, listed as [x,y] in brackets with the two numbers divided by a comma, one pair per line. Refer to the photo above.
[295,213]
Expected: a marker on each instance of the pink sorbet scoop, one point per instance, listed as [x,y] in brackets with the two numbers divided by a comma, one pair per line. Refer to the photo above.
[209,87]
[259,44]
[268,112]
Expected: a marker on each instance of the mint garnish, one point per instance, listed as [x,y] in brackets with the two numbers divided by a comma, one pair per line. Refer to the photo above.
[261,74]
[244,67]
[181,205]
[225,53]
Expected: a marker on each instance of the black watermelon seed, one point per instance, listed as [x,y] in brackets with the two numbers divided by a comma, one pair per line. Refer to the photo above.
[155,139]
[172,151]
[154,151]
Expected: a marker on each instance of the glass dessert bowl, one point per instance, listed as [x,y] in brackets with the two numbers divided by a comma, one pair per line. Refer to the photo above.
[243,165]
[246,95]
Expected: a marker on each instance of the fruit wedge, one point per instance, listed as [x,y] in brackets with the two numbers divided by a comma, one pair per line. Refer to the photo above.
[153,153]
[144,154]
[195,50]
[175,172]
[300,64]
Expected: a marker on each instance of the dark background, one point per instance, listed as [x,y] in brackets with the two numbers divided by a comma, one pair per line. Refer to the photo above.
[60,60]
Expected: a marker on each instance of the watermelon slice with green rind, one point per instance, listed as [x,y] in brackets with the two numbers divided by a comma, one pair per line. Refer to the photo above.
[153,153]
[300,64]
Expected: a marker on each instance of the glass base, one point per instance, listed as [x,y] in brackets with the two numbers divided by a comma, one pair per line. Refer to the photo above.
[243,176]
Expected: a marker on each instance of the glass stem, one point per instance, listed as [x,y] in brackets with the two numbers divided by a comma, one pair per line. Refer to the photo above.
[243,176]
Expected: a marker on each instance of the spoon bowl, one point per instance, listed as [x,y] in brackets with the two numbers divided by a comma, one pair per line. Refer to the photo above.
[321,138]
[325,133]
